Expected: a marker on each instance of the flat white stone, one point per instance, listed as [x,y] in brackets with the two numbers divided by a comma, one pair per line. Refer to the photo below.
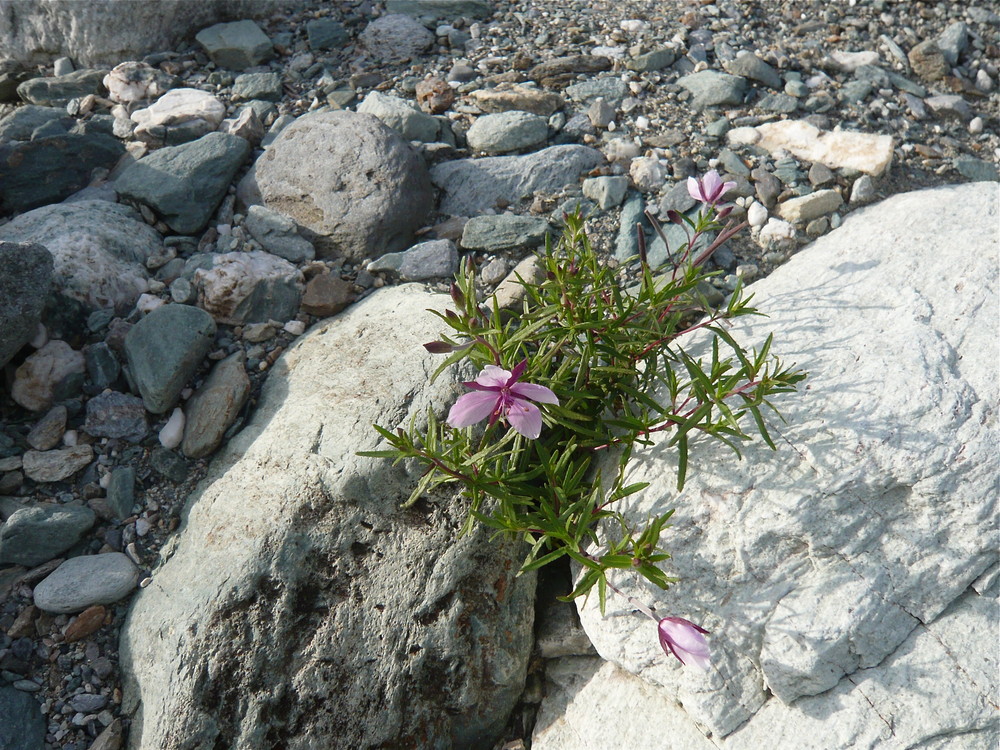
[866,152]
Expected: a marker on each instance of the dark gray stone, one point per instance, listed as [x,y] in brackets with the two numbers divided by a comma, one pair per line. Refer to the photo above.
[46,170]
[58,90]
[32,536]
[23,121]
[441,8]
[257,86]
[750,66]
[116,415]
[952,42]
[426,260]
[22,725]
[185,184]
[215,406]
[778,102]
[169,464]
[677,199]
[121,491]
[611,88]
[25,281]
[238,46]
[278,234]
[102,364]
[12,74]
[164,350]
[472,186]
[976,170]
[325,34]
[498,232]
[658,59]
[627,244]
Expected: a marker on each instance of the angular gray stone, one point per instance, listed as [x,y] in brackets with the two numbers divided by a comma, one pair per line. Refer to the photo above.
[611,88]
[238,45]
[710,88]
[811,206]
[402,116]
[56,465]
[215,406]
[507,131]
[434,259]
[472,186]
[32,536]
[658,59]
[50,374]
[25,281]
[103,367]
[249,287]
[606,191]
[23,121]
[263,86]
[116,415]
[84,581]
[797,604]
[503,231]
[278,589]
[99,250]
[185,184]
[49,430]
[395,37]
[163,351]
[627,243]
[952,42]
[22,724]
[325,34]
[748,65]
[121,491]
[51,168]
[352,182]
[278,235]
[57,91]
[977,170]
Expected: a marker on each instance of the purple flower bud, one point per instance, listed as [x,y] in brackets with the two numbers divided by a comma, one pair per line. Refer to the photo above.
[439,347]
[674,217]
[685,640]
[456,294]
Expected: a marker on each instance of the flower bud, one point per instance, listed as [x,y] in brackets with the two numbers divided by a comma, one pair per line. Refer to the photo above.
[456,294]
[685,640]
[439,347]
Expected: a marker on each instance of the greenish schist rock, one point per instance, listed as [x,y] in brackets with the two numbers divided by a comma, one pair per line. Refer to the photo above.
[32,536]
[238,46]
[262,86]
[503,231]
[58,90]
[710,88]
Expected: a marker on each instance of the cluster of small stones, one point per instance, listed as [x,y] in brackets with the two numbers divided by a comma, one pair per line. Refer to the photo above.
[663,96]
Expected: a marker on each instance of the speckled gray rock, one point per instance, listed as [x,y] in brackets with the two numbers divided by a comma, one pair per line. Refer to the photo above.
[215,406]
[23,121]
[185,184]
[710,88]
[325,34]
[748,65]
[56,465]
[121,491]
[290,513]
[262,86]
[359,211]
[25,280]
[99,249]
[441,8]
[58,90]
[502,231]
[116,415]
[163,351]
[507,131]
[395,37]
[238,45]
[472,186]
[83,581]
[249,287]
[401,115]
[32,536]
[607,191]
[433,259]
[811,206]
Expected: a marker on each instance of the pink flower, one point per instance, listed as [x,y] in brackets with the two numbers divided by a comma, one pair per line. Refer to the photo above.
[497,394]
[685,640]
[710,188]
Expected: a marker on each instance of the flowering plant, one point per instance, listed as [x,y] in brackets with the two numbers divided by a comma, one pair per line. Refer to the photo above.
[586,368]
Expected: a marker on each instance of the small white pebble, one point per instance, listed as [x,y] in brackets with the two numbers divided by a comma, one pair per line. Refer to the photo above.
[173,430]
[147,303]
[41,337]
[642,122]
[976,125]
[757,214]
[295,327]
[70,438]
[142,527]
[105,480]
[224,229]
[142,584]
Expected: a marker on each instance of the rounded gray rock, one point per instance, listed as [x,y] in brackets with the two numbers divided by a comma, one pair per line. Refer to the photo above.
[353,183]
[396,37]
[163,351]
[507,131]
[83,581]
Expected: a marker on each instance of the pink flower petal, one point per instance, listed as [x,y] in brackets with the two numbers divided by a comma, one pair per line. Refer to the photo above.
[472,407]
[525,418]
[710,185]
[538,393]
[493,377]
[685,640]
[694,189]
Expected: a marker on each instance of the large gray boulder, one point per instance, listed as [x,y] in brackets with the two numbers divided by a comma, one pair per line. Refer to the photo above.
[353,183]
[109,31]
[300,605]
[99,249]
[841,577]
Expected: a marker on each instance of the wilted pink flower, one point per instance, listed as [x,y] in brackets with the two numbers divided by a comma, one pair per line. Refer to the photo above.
[685,640]
[497,394]
[709,189]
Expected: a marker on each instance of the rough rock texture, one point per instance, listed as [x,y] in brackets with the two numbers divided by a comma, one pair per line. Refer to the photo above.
[99,249]
[835,149]
[813,566]
[110,31]
[350,180]
[301,603]
[472,186]
[25,279]
[249,287]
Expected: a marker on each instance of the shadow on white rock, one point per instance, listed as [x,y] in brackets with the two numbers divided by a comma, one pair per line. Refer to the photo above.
[300,603]
[815,563]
